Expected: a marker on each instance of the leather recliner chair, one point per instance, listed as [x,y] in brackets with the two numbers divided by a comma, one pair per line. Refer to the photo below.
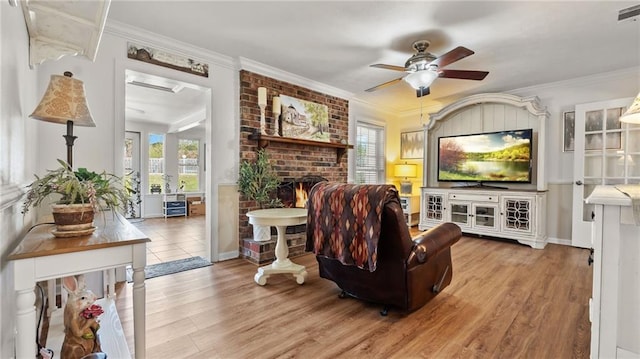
[344,222]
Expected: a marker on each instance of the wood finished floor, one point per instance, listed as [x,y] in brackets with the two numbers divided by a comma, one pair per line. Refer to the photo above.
[506,301]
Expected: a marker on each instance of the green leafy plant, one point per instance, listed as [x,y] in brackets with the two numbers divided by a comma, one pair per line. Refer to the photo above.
[257,181]
[101,190]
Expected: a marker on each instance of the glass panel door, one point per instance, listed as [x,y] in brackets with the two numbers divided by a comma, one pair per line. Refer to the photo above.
[132,177]
[605,154]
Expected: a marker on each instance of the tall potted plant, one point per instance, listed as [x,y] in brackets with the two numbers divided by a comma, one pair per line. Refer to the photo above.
[77,195]
[257,181]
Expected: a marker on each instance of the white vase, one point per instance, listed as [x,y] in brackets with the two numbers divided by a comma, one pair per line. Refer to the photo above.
[261,233]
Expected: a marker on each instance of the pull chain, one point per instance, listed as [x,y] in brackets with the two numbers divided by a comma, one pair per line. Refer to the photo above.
[421,102]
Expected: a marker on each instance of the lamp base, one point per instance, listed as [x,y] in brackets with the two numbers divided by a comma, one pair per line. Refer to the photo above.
[406,187]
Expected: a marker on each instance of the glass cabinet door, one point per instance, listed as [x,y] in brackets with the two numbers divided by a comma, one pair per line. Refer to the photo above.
[484,216]
[460,214]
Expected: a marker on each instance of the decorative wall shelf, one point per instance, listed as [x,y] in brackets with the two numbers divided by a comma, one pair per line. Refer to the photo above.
[59,28]
[264,140]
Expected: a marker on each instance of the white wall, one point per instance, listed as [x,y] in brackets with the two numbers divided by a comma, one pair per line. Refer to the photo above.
[105,89]
[363,112]
[17,154]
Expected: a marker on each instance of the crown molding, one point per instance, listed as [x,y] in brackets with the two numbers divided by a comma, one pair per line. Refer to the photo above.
[270,71]
[580,81]
[168,44]
[375,108]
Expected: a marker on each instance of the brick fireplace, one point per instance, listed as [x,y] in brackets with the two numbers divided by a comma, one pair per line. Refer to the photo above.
[296,164]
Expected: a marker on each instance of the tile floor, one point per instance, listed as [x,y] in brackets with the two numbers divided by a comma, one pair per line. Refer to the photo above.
[173,238]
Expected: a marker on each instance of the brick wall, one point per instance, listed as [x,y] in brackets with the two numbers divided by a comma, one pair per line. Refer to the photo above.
[289,160]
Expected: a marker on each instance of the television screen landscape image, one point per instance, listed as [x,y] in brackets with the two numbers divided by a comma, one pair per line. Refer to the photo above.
[503,156]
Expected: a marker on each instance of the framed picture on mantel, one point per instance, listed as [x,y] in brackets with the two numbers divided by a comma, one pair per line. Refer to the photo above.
[304,119]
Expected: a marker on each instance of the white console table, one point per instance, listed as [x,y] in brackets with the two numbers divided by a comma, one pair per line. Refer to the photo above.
[614,306]
[280,218]
[40,257]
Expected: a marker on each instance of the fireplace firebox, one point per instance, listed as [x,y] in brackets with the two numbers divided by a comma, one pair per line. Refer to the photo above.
[294,192]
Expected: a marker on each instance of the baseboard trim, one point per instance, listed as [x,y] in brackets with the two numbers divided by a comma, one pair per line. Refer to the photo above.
[561,241]
[624,353]
[228,255]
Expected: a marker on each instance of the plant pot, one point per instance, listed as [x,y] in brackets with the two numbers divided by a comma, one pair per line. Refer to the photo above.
[261,233]
[73,219]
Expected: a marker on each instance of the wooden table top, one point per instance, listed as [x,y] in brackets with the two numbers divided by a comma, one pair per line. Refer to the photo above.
[111,231]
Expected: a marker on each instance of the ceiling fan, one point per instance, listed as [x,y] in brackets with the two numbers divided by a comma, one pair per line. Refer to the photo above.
[423,68]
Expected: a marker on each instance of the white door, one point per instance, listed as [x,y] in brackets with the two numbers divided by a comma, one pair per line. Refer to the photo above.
[132,174]
[605,153]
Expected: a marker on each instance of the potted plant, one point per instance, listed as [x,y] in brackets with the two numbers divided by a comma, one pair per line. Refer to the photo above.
[257,181]
[77,195]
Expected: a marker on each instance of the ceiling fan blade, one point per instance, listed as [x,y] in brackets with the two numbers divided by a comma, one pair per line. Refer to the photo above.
[388,83]
[422,91]
[463,74]
[388,67]
[452,56]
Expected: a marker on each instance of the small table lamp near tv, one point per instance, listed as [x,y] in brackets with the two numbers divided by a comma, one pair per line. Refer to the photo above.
[407,171]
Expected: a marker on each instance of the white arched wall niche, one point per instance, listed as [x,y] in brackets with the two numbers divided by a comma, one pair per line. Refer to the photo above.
[487,113]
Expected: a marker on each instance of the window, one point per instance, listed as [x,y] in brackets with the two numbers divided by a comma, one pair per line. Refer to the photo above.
[369,154]
[188,165]
[156,163]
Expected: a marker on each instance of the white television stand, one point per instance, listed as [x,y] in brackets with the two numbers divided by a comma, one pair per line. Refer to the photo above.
[510,214]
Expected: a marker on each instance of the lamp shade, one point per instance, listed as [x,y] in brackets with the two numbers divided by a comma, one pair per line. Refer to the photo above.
[405,170]
[64,101]
[419,79]
[632,115]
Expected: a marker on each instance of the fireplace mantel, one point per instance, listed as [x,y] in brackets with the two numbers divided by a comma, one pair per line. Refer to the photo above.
[264,140]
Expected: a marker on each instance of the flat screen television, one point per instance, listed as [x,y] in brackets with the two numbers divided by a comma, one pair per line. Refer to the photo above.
[503,156]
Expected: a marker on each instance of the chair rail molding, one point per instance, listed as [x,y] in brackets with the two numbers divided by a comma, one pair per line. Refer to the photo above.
[61,28]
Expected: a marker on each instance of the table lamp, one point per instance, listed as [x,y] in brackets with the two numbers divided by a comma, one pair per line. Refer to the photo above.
[64,102]
[407,171]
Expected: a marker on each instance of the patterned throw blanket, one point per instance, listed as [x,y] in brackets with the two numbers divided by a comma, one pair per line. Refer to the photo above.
[344,221]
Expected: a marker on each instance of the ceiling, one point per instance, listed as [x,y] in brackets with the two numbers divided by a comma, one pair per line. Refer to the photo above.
[176,105]
[520,43]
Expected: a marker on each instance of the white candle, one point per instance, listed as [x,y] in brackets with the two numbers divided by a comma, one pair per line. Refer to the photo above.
[262,96]
[276,104]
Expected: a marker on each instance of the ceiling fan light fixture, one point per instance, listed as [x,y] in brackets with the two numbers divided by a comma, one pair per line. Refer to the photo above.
[420,79]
